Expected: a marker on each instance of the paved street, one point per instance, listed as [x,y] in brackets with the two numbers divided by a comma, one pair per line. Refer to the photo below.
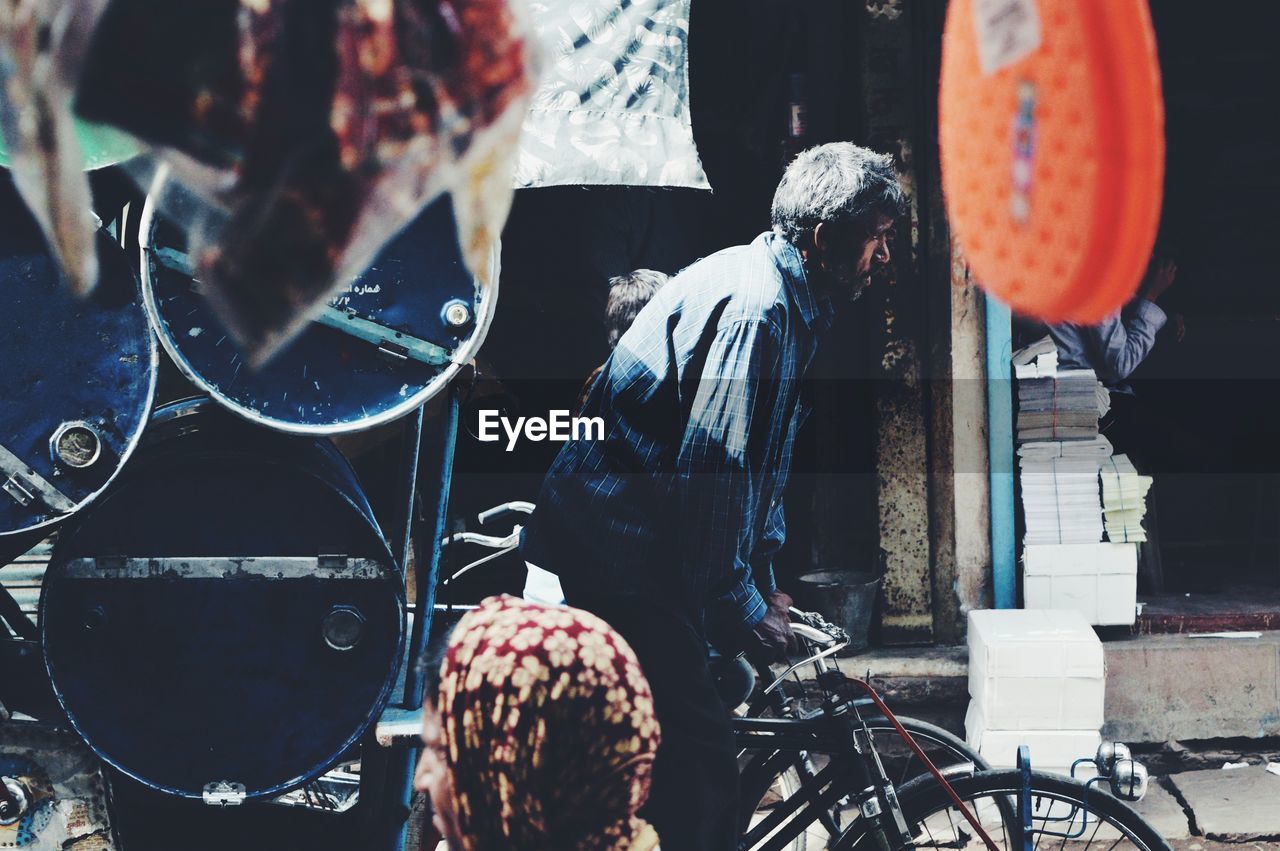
[1213,806]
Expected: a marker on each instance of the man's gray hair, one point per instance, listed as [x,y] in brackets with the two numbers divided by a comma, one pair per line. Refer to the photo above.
[838,182]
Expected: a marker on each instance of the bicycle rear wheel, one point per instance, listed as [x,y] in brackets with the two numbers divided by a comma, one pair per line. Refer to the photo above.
[1065,815]
[765,783]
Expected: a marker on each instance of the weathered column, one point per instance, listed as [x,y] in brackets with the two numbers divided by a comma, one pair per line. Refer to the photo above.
[889,77]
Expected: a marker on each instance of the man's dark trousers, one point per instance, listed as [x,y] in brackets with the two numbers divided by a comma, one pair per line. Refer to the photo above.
[693,802]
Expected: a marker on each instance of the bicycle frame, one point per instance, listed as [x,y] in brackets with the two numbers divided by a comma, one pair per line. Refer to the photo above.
[855,771]
[840,730]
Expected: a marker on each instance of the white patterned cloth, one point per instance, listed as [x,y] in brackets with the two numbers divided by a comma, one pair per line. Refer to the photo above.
[613,106]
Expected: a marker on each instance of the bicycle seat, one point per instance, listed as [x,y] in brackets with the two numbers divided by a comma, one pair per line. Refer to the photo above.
[734,677]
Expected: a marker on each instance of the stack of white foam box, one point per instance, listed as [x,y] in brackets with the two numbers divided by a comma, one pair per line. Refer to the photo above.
[1100,581]
[1036,677]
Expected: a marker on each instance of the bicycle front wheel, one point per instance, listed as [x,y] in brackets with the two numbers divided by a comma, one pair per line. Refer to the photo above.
[1065,815]
[767,780]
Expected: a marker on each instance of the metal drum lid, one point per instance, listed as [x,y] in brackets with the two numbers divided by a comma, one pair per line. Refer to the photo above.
[392,340]
[227,621]
[77,381]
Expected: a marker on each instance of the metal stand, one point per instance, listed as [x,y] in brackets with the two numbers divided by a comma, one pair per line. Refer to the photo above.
[387,790]
[11,613]
[402,534]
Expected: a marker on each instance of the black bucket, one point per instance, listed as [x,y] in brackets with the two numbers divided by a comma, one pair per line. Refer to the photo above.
[847,598]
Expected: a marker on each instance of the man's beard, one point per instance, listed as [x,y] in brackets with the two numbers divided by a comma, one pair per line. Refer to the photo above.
[859,287]
[849,285]
[840,283]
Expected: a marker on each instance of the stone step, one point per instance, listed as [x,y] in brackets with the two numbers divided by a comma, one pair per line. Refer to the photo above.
[1159,687]
[1175,687]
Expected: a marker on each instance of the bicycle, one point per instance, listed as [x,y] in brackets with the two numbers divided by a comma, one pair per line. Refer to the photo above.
[855,804]
[817,637]
[761,693]
[823,770]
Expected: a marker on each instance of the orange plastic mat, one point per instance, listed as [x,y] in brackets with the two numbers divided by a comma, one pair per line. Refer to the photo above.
[1051,135]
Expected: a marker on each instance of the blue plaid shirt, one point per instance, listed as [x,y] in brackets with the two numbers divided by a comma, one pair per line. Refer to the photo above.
[682,499]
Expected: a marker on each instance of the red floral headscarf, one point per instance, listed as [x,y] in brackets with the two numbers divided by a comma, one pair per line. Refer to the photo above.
[549,731]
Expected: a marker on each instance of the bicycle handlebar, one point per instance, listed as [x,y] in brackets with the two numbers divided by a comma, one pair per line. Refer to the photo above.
[516,506]
[827,638]
[817,636]
[812,621]
[493,542]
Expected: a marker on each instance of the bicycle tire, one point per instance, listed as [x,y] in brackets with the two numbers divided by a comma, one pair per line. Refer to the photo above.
[1054,799]
[758,783]
[784,784]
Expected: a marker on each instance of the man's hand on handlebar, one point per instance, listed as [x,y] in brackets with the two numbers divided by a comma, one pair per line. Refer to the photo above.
[774,631]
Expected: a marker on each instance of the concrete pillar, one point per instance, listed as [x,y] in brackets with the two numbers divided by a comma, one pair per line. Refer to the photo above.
[972,530]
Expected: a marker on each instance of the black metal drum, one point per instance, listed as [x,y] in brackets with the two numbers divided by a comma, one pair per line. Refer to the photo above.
[228,619]
[392,340]
[77,377]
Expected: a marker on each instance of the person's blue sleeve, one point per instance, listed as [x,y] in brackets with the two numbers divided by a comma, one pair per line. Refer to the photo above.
[775,534]
[1126,339]
[718,469]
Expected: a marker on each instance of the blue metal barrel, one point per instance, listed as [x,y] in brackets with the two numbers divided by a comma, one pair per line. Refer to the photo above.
[391,340]
[228,619]
[77,377]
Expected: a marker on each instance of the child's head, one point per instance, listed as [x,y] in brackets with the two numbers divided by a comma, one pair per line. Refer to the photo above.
[628,294]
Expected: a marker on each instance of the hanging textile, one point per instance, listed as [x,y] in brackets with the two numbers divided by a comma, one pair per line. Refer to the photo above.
[613,105]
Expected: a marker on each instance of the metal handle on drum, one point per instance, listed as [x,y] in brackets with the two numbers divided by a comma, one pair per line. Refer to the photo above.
[392,343]
[25,485]
[389,341]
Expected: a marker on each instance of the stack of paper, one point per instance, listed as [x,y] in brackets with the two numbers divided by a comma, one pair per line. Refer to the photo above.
[1124,500]
[1060,498]
[1038,360]
[1064,406]
[1043,366]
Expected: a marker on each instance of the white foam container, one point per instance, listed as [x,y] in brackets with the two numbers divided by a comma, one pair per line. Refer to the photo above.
[1051,750]
[1100,581]
[1036,669]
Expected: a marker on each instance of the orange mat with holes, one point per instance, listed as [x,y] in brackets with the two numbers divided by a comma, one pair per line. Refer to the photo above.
[1051,136]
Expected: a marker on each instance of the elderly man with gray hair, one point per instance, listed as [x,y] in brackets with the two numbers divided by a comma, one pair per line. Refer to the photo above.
[670,523]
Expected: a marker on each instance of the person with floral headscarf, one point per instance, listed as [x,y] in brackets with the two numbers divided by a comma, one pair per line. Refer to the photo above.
[541,736]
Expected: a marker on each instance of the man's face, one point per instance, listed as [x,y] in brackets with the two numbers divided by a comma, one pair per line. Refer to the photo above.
[432,777]
[849,256]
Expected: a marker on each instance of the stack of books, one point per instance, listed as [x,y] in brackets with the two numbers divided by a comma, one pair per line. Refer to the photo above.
[1124,500]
